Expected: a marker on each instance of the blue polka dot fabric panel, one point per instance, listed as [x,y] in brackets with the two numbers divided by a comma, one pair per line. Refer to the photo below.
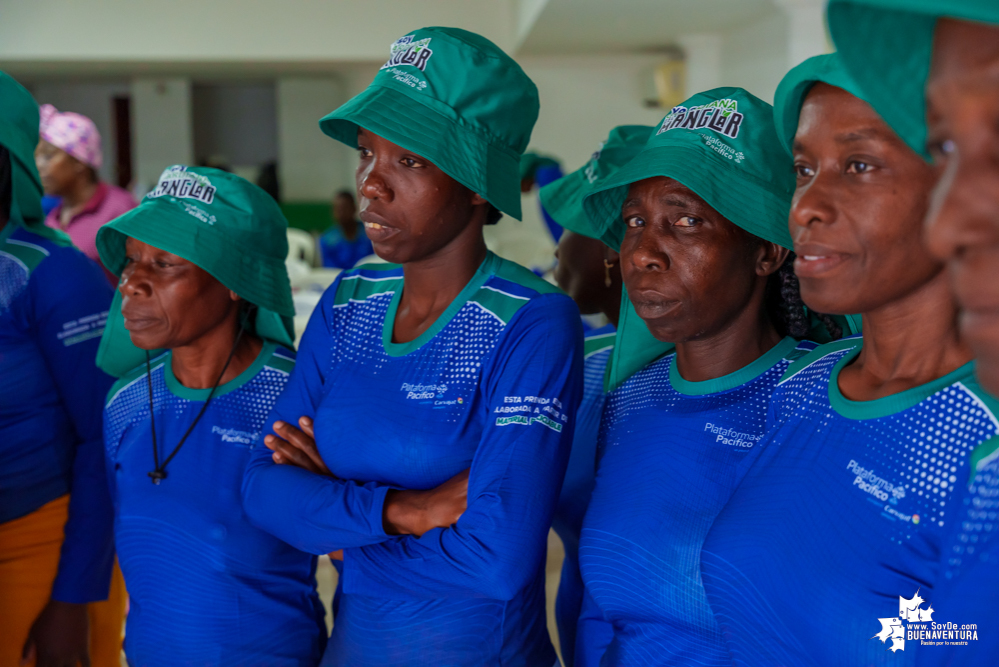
[968,587]
[205,585]
[493,386]
[845,512]
[580,476]
[669,461]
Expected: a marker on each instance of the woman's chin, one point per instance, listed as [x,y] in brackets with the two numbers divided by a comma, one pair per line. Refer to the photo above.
[147,342]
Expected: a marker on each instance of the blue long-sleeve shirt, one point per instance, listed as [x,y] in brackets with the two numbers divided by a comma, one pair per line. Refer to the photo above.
[206,587]
[53,305]
[844,514]
[578,485]
[967,588]
[670,451]
[493,386]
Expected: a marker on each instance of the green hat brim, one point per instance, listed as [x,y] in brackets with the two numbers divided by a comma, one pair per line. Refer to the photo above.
[887,46]
[261,282]
[887,49]
[19,135]
[563,200]
[433,131]
[738,199]
[796,85]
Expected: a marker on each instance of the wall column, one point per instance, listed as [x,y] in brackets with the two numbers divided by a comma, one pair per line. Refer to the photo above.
[703,58]
[806,30]
[161,127]
[311,165]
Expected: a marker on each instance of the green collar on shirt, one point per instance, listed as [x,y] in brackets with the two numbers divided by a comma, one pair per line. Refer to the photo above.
[486,269]
[732,380]
[887,405]
[180,391]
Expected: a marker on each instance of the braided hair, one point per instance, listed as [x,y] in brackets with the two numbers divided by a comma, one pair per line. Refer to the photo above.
[787,310]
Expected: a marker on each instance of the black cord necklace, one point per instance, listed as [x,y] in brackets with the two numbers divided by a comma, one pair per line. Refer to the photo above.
[159,473]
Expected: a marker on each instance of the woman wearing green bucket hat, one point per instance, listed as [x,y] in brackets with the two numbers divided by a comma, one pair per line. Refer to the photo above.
[700,215]
[847,509]
[441,390]
[940,86]
[590,273]
[202,284]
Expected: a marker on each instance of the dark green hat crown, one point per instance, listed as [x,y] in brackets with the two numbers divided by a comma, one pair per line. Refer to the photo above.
[796,84]
[222,223]
[19,125]
[455,98]
[887,46]
[722,145]
[563,199]
[19,135]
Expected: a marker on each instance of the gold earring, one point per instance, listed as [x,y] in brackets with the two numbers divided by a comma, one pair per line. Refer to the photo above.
[607,276]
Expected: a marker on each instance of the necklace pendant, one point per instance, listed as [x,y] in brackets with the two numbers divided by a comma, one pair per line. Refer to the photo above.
[158,476]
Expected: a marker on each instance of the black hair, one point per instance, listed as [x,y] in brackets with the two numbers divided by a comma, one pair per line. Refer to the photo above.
[493,215]
[787,310]
[345,193]
[6,186]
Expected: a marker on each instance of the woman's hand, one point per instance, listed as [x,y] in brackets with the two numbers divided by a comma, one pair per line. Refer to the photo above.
[59,636]
[416,512]
[296,447]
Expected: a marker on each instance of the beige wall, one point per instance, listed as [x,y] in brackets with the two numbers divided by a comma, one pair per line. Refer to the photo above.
[247,30]
[583,97]
[161,127]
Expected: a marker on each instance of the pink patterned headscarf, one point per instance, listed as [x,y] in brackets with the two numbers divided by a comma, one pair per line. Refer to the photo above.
[73,133]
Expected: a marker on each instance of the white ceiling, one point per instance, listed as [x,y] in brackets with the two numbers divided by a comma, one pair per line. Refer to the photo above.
[254,38]
[610,26]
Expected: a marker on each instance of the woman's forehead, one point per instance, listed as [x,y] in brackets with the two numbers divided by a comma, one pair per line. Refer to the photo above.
[133,244]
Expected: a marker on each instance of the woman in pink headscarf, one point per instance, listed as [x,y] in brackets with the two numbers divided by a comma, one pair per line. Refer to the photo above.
[68,157]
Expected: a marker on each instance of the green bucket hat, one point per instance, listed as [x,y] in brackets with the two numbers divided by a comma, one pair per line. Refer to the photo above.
[224,224]
[796,84]
[19,135]
[887,46]
[563,199]
[456,99]
[722,145]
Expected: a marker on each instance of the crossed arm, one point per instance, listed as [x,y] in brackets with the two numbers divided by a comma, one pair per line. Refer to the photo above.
[405,512]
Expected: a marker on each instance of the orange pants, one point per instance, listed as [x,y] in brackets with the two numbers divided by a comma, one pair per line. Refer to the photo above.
[29,559]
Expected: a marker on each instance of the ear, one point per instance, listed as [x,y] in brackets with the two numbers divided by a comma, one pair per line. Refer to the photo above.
[233,296]
[611,255]
[770,258]
[478,200]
